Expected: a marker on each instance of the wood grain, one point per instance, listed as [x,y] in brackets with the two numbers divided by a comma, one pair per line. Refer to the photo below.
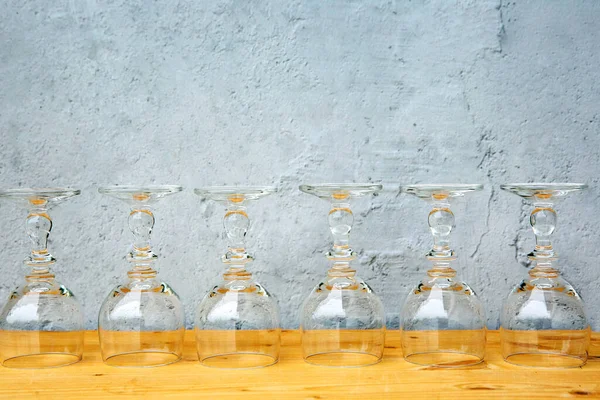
[292,378]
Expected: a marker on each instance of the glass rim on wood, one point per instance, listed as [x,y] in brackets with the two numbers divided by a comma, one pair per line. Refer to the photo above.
[442,321]
[237,323]
[342,321]
[41,324]
[141,322]
[543,321]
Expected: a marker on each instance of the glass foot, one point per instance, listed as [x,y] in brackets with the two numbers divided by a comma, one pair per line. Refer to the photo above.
[444,359]
[542,190]
[140,195]
[343,359]
[42,360]
[146,358]
[341,191]
[234,194]
[239,360]
[39,196]
[440,192]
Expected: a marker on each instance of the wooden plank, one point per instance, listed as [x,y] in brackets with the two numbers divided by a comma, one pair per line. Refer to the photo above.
[292,378]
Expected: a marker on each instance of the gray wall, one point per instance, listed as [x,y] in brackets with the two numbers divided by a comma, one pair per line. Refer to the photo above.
[215,92]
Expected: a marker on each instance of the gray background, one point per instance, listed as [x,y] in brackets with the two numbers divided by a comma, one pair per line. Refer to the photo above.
[281,93]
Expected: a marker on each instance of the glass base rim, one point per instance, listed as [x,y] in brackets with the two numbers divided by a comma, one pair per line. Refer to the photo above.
[116,190]
[533,190]
[426,190]
[75,358]
[309,358]
[274,360]
[351,189]
[39,191]
[544,186]
[200,190]
[583,361]
[476,361]
[107,360]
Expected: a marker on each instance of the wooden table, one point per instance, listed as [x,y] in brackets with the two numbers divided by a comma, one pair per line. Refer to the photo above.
[292,378]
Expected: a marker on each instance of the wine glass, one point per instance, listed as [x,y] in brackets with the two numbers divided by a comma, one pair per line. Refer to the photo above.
[237,322]
[342,321]
[141,322]
[543,321]
[442,321]
[41,324]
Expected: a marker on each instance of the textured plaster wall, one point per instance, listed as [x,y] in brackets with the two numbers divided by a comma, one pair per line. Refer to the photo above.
[272,92]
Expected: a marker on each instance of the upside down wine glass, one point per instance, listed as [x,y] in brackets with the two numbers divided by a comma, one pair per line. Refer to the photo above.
[141,322]
[442,321]
[342,322]
[543,322]
[41,324]
[237,322]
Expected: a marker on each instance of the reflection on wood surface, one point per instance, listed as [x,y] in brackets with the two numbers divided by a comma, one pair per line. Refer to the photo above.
[359,347]
[292,378]
[141,348]
[546,348]
[456,348]
[238,348]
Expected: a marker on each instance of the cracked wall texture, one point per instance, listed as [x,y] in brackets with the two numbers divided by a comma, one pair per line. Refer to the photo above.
[281,93]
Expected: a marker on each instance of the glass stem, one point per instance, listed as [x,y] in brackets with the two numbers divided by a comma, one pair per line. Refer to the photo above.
[236,223]
[141,222]
[341,220]
[38,226]
[441,269]
[543,221]
[441,223]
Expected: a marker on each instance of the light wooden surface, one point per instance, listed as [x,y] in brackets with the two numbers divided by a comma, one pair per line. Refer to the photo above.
[292,378]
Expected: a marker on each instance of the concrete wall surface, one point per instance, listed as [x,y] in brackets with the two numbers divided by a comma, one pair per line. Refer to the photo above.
[288,92]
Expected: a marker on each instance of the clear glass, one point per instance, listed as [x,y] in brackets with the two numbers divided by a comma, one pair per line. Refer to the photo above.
[342,321]
[543,322]
[41,324]
[442,321]
[141,322]
[237,322]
